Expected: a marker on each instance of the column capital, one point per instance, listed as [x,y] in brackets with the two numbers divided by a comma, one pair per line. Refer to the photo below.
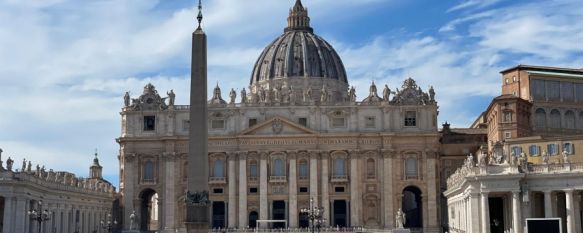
[568,191]
[325,154]
[231,155]
[388,153]
[263,154]
[548,191]
[314,154]
[242,154]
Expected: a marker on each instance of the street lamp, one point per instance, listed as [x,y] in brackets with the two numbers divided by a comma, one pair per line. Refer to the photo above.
[109,225]
[313,213]
[39,215]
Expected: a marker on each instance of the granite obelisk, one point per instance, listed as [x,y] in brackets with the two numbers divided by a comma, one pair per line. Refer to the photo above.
[197,216]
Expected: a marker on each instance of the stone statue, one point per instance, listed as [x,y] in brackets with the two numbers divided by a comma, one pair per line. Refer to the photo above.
[431,94]
[352,94]
[324,95]
[470,161]
[133,220]
[243,96]
[233,96]
[1,154]
[565,157]
[482,159]
[37,169]
[171,97]
[126,99]
[277,94]
[9,163]
[400,219]
[308,94]
[386,93]
[29,167]
[545,156]
[23,165]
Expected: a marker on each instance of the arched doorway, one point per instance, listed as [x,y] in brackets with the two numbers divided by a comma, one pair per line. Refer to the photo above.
[218,214]
[412,207]
[2,200]
[253,216]
[149,211]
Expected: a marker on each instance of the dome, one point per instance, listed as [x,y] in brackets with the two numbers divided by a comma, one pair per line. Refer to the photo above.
[299,54]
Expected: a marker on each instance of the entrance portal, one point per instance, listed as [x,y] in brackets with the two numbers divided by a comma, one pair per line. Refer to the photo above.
[218,214]
[340,213]
[253,216]
[411,206]
[496,205]
[1,213]
[278,213]
[149,211]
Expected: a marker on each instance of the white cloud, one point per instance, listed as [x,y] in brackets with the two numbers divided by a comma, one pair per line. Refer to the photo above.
[473,4]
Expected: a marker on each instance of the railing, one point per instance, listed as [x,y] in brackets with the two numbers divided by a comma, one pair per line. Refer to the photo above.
[63,182]
[277,179]
[307,230]
[339,179]
[217,180]
[253,178]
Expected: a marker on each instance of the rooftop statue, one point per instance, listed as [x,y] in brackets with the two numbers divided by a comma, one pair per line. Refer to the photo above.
[9,164]
[171,97]
[126,99]
[232,96]
[386,93]
[243,96]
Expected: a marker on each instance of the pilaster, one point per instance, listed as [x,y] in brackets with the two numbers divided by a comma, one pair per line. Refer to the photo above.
[548,204]
[355,197]
[516,212]
[325,184]
[293,190]
[232,182]
[263,205]
[570,205]
[485,212]
[388,188]
[243,222]
[314,156]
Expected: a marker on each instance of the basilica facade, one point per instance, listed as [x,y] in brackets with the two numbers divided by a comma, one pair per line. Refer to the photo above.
[296,134]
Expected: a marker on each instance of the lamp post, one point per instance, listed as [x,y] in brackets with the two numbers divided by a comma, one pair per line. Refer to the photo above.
[108,226]
[313,213]
[39,215]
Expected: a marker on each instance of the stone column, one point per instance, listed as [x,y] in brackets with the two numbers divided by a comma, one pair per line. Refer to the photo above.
[388,188]
[516,212]
[431,177]
[570,206]
[314,155]
[355,196]
[325,185]
[9,214]
[548,204]
[169,202]
[232,179]
[485,213]
[243,222]
[293,190]
[263,174]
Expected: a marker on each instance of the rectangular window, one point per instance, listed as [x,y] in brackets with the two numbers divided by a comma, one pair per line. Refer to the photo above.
[253,170]
[553,90]
[339,189]
[303,189]
[568,147]
[338,122]
[516,151]
[507,135]
[552,149]
[186,125]
[252,122]
[410,118]
[303,121]
[252,190]
[534,150]
[149,123]
[218,124]
[217,190]
[369,122]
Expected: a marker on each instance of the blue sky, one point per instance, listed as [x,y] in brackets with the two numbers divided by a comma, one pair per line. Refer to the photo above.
[65,64]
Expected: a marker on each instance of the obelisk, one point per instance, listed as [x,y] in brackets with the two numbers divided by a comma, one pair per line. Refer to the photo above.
[197,215]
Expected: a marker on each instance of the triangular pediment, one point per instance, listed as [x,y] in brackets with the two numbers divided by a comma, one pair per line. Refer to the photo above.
[277,126]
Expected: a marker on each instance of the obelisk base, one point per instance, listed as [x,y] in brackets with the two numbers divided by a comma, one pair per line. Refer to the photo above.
[197,219]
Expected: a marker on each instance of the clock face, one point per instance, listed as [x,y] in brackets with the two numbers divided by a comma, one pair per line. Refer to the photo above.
[149,100]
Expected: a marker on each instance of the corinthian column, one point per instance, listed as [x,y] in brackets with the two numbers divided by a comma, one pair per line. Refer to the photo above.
[516,212]
[263,187]
[314,155]
[325,185]
[485,212]
[355,197]
[569,204]
[243,190]
[293,190]
[232,221]
[388,187]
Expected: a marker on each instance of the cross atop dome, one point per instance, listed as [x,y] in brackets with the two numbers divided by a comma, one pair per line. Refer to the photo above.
[298,18]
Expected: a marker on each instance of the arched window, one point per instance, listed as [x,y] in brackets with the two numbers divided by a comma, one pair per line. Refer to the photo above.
[218,168]
[339,167]
[540,118]
[278,168]
[148,171]
[411,168]
[304,169]
[370,168]
[555,119]
[570,120]
[253,169]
